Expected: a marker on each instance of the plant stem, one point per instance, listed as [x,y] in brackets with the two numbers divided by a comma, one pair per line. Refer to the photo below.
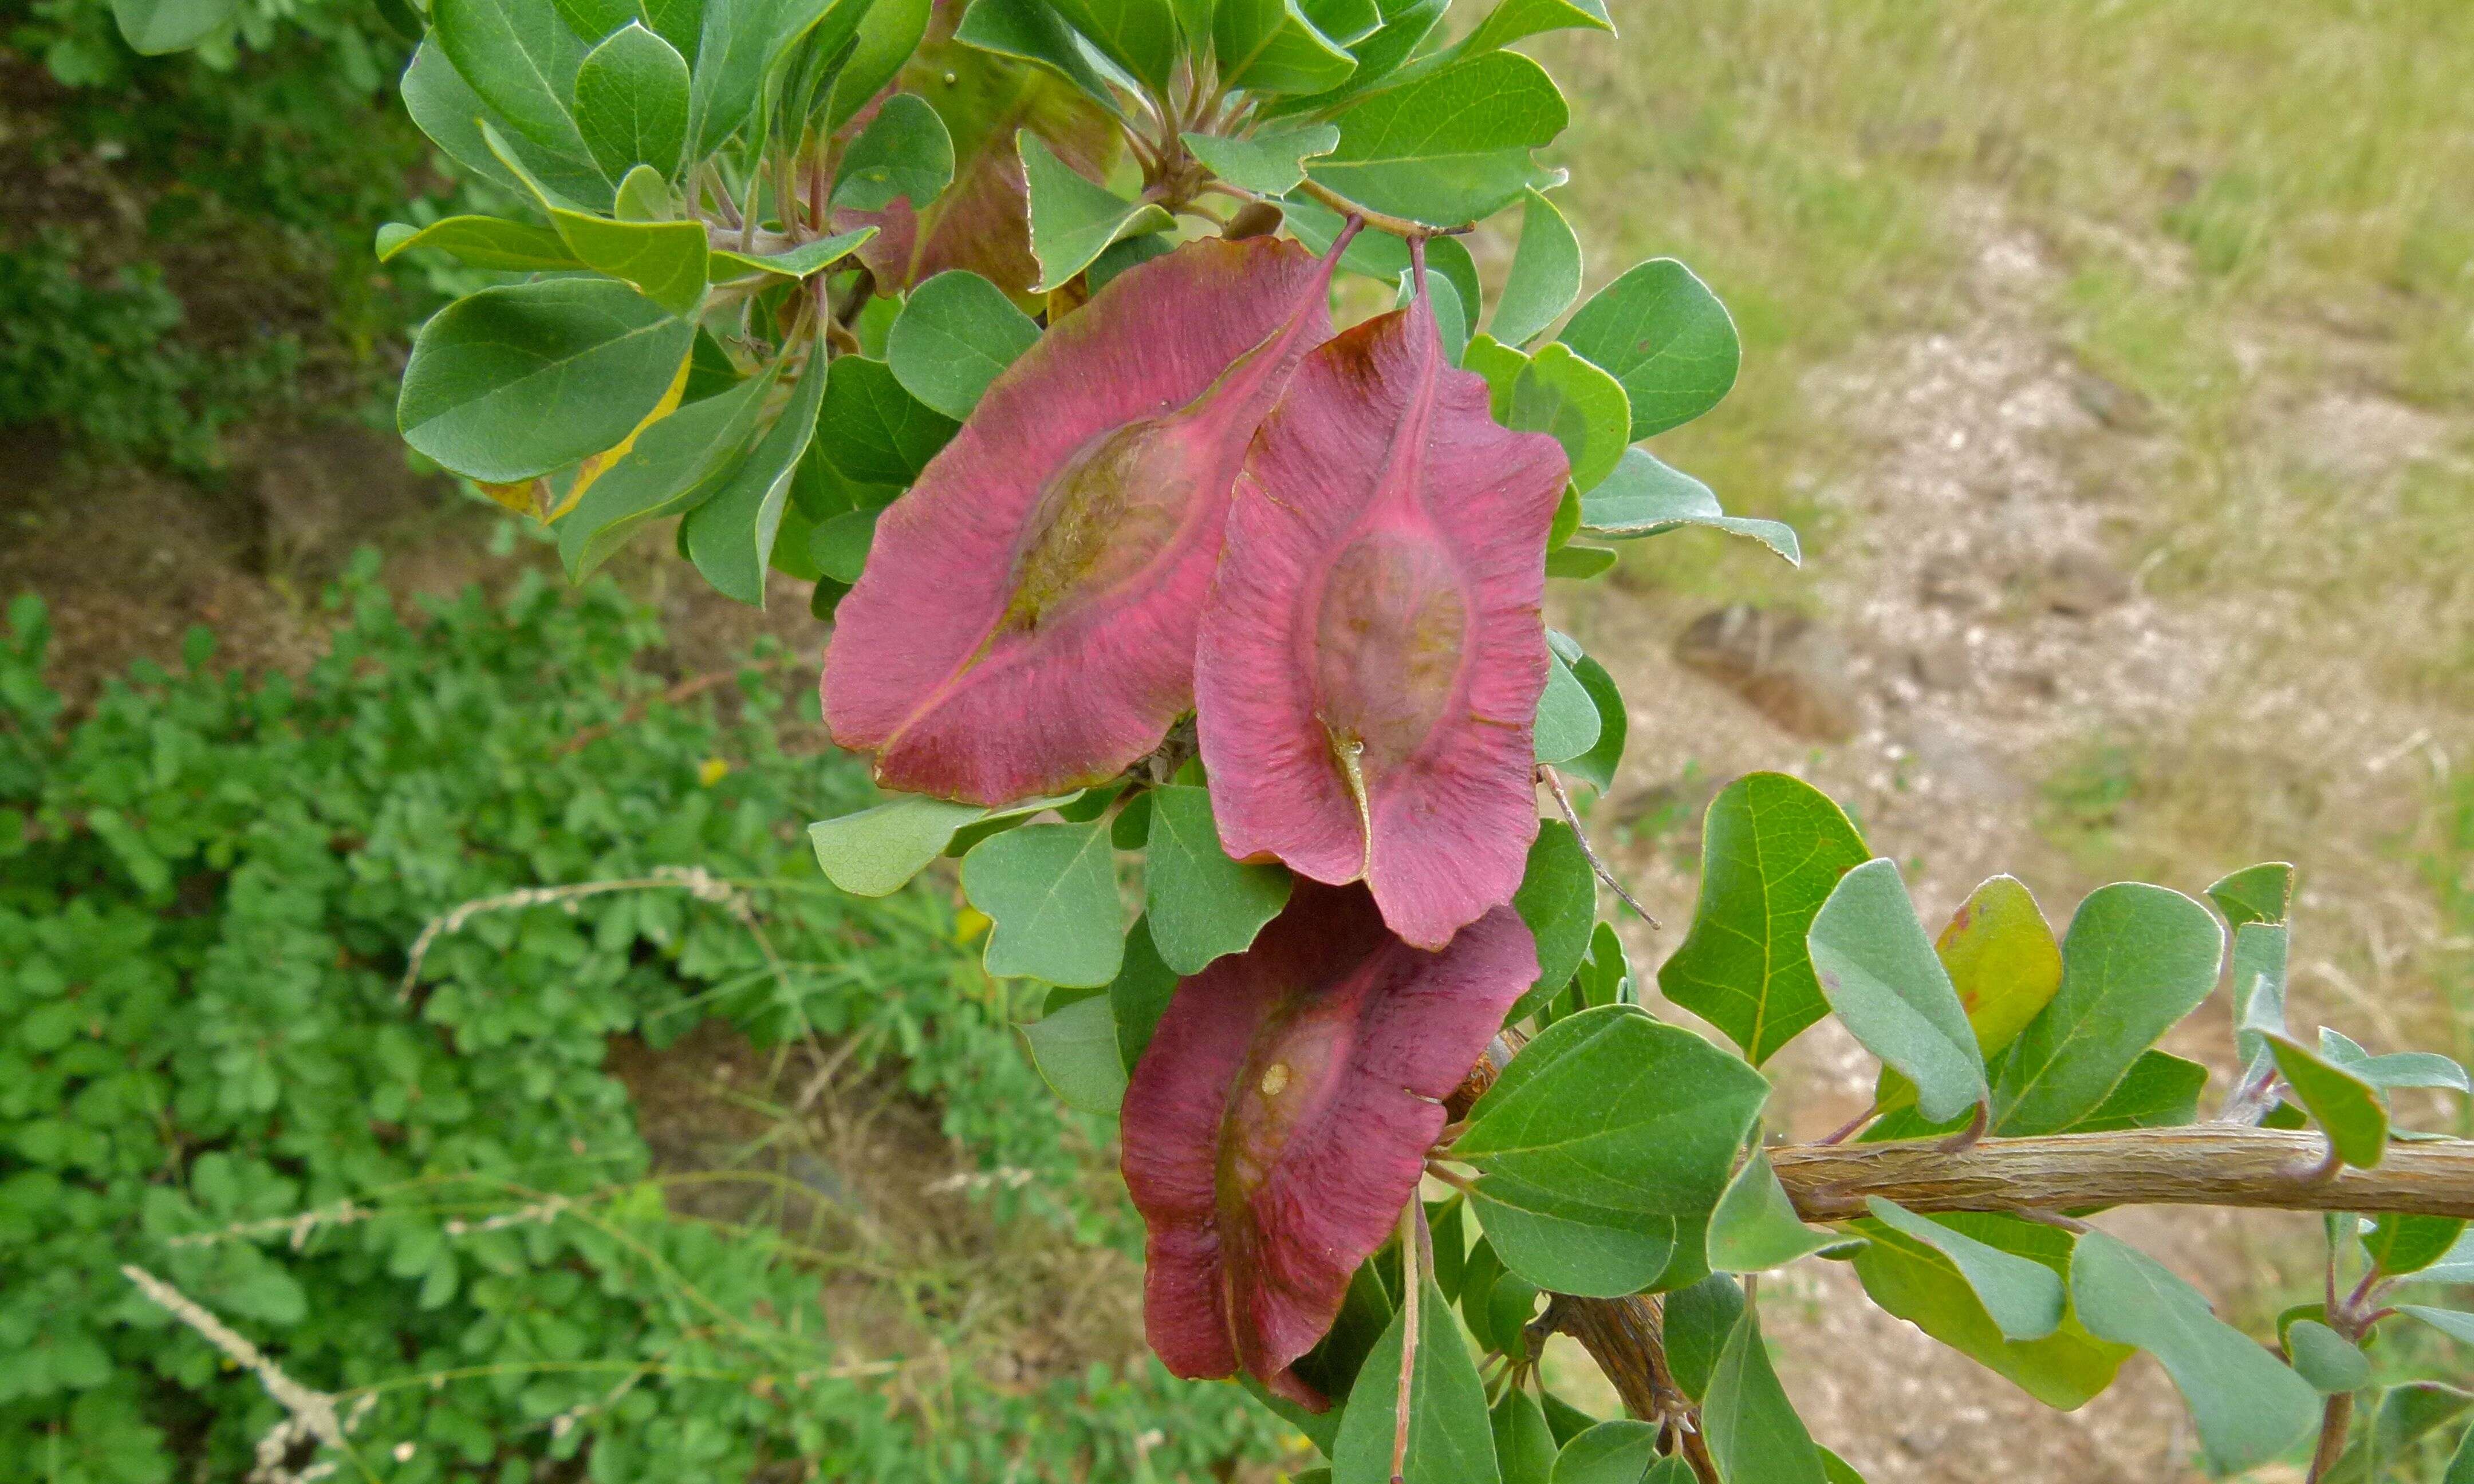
[2335,1419]
[1412,1288]
[1397,227]
[1563,802]
[2200,1165]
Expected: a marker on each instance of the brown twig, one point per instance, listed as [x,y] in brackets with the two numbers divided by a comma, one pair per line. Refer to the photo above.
[679,694]
[1412,1216]
[2200,1165]
[1554,783]
[1397,227]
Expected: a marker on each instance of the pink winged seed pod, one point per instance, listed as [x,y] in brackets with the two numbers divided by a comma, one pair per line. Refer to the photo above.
[1373,655]
[1280,1119]
[1025,622]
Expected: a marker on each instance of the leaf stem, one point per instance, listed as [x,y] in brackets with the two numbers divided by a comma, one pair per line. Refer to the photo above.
[1412,1287]
[2335,1419]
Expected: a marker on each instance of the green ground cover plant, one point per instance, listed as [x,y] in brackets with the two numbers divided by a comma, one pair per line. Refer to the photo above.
[429,1200]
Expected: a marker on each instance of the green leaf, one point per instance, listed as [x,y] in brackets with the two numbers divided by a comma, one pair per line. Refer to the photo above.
[631,103]
[1567,1421]
[2257,975]
[905,154]
[2452,1323]
[2255,894]
[1754,1228]
[1621,1451]
[2023,1298]
[1269,46]
[1139,35]
[677,463]
[1662,334]
[666,261]
[1584,408]
[156,28]
[1879,974]
[645,196]
[2456,1266]
[1201,904]
[2347,1108]
[1567,1246]
[1345,21]
[1567,718]
[1611,1109]
[2249,1408]
[1698,1319]
[1918,1283]
[2398,1068]
[1071,220]
[2002,960]
[730,537]
[1579,563]
[1051,892]
[519,57]
[841,545]
[1545,273]
[2402,1244]
[1449,1439]
[957,333]
[1030,31]
[516,381]
[2136,960]
[1559,899]
[1513,19]
[1645,497]
[1772,849]
[887,36]
[1524,1446]
[1075,1051]
[1140,992]
[1269,163]
[803,261]
[2460,1464]
[2161,1090]
[2330,1362]
[1449,145]
[1596,766]
[595,20]
[482,242]
[1837,1469]
[1752,1431]
[875,852]
[739,43]
[873,430]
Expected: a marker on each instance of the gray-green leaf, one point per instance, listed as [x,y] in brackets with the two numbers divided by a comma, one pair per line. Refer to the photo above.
[957,332]
[1073,219]
[1269,163]
[1645,496]
[2024,1297]
[905,154]
[1075,1051]
[1662,334]
[875,852]
[2330,1362]
[1567,1246]
[730,537]
[156,28]
[1051,892]
[1752,1431]
[2249,1408]
[1559,899]
[1545,273]
[1878,971]
[1621,1451]
[1754,1228]
[522,59]
[2347,1108]
[1201,904]
[1567,718]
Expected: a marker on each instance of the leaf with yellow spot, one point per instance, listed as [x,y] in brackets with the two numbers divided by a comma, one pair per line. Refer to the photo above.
[590,469]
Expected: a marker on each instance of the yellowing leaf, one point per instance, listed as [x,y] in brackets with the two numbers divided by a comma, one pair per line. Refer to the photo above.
[590,469]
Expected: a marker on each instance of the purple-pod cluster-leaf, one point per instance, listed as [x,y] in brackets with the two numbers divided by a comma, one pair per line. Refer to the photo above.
[1372,656]
[1281,1117]
[1025,623]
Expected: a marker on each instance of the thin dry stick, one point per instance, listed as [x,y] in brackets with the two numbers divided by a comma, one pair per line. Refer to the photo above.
[695,880]
[309,1414]
[1554,783]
